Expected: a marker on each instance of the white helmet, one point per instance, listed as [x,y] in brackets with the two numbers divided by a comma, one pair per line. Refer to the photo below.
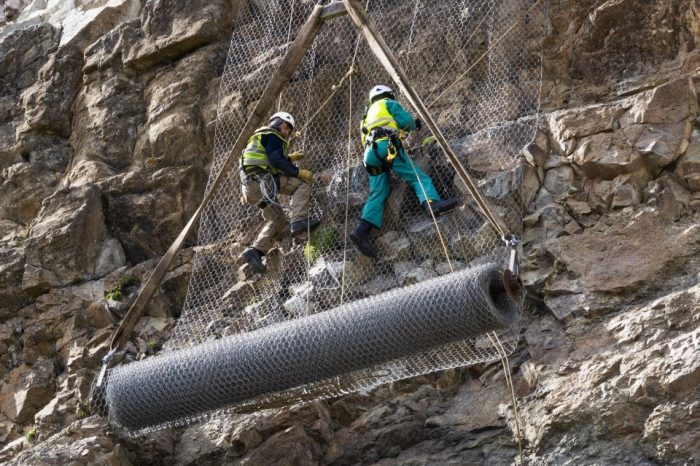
[284,116]
[379,90]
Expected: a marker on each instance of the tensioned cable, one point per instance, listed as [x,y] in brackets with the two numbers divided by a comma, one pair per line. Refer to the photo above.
[495,44]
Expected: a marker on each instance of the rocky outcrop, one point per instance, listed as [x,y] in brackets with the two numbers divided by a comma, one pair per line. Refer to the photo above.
[105,141]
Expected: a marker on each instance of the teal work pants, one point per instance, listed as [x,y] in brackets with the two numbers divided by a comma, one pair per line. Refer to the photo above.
[380,185]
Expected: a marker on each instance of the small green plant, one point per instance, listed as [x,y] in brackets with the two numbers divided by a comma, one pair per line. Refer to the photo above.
[82,411]
[30,434]
[115,293]
[154,345]
[324,240]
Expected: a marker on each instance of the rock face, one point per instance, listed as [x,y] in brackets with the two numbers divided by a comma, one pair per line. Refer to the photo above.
[106,111]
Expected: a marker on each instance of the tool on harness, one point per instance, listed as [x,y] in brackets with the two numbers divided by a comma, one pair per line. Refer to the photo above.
[511,276]
[269,184]
[394,148]
[374,171]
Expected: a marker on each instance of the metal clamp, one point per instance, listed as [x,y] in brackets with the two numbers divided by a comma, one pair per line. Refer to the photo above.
[511,276]
[105,362]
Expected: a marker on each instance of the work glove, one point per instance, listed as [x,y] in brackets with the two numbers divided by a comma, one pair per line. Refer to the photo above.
[296,156]
[419,124]
[305,176]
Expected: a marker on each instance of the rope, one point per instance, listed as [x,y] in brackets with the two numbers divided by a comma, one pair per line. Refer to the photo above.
[412,29]
[308,225]
[432,215]
[509,383]
[334,90]
[495,44]
[349,167]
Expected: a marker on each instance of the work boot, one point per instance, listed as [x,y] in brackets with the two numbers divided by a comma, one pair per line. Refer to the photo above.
[297,228]
[253,257]
[440,207]
[360,236]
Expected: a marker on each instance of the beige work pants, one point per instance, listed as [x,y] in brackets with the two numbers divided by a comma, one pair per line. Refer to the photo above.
[274,214]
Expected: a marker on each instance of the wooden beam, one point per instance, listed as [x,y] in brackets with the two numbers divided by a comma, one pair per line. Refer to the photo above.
[333,10]
[290,62]
[382,51]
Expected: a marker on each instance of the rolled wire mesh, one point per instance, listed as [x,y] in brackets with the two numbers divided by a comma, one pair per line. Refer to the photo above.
[487,115]
[323,347]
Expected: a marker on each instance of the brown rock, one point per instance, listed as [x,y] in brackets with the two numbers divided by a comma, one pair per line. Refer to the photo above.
[23,187]
[626,192]
[108,110]
[26,390]
[65,241]
[688,166]
[174,132]
[172,28]
[600,194]
[626,256]
[569,126]
[602,156]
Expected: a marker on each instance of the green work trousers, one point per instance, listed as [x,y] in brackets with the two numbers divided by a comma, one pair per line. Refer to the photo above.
[380,185]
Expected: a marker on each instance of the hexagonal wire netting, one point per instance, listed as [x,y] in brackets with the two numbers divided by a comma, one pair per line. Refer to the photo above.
[487,114]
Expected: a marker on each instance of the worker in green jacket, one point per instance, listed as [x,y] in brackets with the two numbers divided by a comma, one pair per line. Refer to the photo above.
[384,120]
[267,169]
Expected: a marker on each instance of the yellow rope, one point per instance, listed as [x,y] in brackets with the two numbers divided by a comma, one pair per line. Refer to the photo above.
[496,342]
[334,90]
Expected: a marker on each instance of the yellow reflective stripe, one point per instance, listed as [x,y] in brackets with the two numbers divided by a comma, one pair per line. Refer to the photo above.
[255,154]
[379,122]
[378,115]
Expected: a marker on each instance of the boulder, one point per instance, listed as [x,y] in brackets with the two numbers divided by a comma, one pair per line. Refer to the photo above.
[47,103]
[659,122]
[66,239]
[172,28]
[12,260]
[559,181]
[567,127]
[688,165]
[26,390]
[107,113]
[605,156]
[174,130]
[627,256]
[145,211]
[23,187]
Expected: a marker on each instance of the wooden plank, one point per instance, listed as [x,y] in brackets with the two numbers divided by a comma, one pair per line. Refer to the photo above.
[333,10]
[382,51]
[290,62]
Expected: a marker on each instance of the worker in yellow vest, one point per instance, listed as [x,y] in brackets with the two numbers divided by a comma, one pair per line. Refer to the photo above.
[267,169]
[384,120]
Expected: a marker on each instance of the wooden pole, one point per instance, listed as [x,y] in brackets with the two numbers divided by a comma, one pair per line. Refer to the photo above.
[292,59]
[382,51]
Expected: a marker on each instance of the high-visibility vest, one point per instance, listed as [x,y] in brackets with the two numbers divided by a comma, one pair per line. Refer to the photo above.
[377,116]
[255,154]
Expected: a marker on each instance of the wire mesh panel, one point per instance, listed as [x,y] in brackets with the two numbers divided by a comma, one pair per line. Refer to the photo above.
[476,64]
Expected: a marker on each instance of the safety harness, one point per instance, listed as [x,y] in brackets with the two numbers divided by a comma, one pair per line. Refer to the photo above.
[256,166]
